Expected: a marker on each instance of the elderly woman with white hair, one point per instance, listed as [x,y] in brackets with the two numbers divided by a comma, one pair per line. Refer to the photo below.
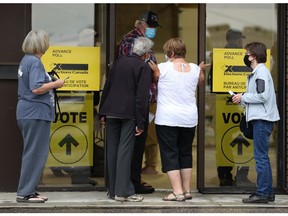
[35,112]
[123,110]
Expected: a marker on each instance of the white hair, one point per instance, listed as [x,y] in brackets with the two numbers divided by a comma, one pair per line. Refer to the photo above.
[36,42]
[142,45]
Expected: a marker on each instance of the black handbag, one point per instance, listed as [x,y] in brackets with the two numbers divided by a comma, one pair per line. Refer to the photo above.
[246,128]
[52,74]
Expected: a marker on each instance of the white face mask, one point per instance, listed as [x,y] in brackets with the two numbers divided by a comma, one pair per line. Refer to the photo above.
[167,58]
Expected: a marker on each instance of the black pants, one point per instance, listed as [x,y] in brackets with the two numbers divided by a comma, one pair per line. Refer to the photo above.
[175,147]
[136,165]
[120,141]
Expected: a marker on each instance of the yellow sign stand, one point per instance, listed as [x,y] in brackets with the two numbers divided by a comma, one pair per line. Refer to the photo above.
[232,148]
[71,138]
[80,64]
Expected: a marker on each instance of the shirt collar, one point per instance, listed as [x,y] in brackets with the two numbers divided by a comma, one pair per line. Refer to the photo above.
[259,65]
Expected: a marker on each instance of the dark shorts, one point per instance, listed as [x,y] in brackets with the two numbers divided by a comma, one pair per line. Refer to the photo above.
[175,147]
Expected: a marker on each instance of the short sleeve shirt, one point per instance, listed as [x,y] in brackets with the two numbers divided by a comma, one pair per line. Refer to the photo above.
[32,75]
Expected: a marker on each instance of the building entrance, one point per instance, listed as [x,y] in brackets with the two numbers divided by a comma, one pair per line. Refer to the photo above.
[205,29]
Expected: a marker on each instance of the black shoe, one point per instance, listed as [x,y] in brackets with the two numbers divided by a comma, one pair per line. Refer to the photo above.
[140,189]
[271,198]
[254,198]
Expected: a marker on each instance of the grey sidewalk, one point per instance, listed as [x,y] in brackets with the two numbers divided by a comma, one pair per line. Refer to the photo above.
[97,202]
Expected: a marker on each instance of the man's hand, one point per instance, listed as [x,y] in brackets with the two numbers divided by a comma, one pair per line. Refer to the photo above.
[138,131]
[103,121]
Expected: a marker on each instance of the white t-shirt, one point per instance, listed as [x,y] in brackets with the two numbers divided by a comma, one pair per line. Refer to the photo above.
[176,102]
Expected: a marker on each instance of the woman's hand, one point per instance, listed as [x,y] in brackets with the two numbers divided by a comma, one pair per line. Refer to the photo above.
[153,66]
[59,83]
[203,66]
[237,98]
[48,86]
[156,72]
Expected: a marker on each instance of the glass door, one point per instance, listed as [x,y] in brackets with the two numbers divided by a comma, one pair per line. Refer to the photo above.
[229,163]
[177,20]
[79,160]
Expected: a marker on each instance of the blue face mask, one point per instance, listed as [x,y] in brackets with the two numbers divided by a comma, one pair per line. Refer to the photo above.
[150,32]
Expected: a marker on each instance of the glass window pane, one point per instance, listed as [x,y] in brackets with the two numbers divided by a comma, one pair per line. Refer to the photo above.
[63,22]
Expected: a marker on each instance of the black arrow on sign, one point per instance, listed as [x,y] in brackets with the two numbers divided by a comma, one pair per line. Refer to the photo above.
[71,67]
[69,141]
[236,68]
[240,141]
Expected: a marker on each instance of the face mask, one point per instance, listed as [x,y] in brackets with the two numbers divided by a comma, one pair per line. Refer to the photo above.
[150,32]
[247,61]
[167,58]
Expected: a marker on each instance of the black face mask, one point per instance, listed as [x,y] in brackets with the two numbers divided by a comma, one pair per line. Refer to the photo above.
[246,61]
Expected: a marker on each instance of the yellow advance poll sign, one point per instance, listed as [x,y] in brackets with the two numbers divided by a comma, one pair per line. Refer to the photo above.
[71,136]
[229,70]
[80,64]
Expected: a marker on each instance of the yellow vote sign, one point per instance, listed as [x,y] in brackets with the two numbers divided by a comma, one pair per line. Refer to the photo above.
[80,64]
[71,138]
[232,148]
[229,70]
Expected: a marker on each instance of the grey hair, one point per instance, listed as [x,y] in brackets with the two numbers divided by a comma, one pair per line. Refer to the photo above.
[142,45]
[36,42]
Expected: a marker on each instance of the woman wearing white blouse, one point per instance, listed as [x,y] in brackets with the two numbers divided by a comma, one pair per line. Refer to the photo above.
[177,115]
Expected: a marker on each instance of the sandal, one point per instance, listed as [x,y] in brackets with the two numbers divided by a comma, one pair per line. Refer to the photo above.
[177,197]
[29,199]
[188,195]
[41,197]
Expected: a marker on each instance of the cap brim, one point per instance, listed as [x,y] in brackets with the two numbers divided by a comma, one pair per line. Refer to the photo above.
[154,25]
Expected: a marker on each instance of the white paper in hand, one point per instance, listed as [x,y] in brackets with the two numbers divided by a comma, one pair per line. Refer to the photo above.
[151,117]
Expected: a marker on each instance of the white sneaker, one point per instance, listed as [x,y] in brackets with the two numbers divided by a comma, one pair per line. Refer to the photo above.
[132,198]
[135,198]
[119,198]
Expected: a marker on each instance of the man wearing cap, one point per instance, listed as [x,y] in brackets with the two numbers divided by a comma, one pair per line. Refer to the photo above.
[145,26]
